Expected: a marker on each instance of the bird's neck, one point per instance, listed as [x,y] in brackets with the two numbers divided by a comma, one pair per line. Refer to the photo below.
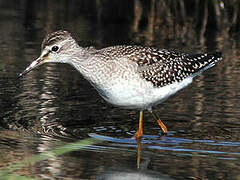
[83,61]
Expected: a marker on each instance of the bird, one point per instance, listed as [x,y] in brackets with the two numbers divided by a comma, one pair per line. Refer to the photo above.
[127,76]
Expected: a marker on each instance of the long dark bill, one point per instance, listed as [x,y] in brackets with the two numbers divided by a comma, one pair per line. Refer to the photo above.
[33,65]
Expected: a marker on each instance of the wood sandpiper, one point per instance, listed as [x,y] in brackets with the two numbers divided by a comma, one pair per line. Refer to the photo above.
[132,77]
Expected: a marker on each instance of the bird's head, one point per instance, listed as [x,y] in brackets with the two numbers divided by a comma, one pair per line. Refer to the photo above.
[56,47]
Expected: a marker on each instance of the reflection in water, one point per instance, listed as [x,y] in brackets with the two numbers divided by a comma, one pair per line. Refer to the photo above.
[126,174]
[139,150]
[54,104]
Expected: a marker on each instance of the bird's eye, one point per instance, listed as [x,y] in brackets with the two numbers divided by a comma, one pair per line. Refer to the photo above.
[55,48]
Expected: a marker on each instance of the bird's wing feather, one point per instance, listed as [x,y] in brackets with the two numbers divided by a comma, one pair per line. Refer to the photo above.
[160,66]
[174,67]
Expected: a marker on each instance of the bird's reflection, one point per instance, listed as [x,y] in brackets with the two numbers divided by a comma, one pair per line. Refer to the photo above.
[139,149]
[130,141]
[141,172]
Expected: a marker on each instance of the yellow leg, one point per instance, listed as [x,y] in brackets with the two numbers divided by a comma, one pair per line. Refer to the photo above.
[139,132]
[160,123]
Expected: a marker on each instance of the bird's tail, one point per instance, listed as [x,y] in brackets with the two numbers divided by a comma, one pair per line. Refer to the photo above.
[202,62]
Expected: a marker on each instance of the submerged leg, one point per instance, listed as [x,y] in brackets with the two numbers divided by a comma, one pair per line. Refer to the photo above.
[139,132]
[160,123]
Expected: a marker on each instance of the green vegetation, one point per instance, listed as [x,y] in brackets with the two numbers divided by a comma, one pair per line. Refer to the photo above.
[8,172]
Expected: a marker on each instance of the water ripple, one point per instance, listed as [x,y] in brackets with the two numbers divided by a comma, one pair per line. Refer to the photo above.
[180,145]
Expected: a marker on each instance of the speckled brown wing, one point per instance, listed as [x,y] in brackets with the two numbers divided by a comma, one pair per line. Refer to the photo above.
[163,67]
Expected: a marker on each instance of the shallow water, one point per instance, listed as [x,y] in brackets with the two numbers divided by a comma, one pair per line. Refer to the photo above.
[53,105]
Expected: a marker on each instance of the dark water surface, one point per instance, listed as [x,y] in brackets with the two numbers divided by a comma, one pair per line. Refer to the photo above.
[53,105]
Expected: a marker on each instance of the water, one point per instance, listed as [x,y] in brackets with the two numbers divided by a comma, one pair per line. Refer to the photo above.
[53,105]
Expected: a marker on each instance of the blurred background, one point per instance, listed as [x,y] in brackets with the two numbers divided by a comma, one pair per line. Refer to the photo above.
[54,105]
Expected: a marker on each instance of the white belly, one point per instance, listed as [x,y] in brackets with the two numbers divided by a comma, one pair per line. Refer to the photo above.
[139,94]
